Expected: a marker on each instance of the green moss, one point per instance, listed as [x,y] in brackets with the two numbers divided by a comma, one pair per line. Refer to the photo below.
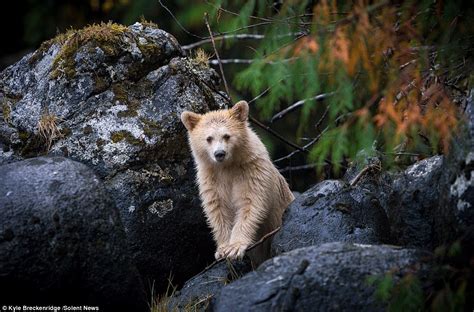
[6,110]
[65,131]
[100,84]
[147,23]
[87,130]
[121,135]
[24,135]
[127,113]
[120,93]
[149,49]
[99,143]
[151,128]
[107,36]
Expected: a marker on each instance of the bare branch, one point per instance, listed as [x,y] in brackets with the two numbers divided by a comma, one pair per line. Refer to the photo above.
[217,54]
[298,104]
[372,167]
[260,241]
[223,37]
[264,238]
[177,22]
[232,61]
[298,168]
[250,61]
[234,36]
[276,134]
[313,141]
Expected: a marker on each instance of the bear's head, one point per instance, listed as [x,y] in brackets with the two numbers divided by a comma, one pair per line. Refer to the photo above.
[218,137]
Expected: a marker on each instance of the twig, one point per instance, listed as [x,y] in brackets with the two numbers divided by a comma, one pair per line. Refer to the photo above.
[310,143]
[296,168]
[264,238]
[259,242]
[364,171]
[231,61]
[222,37]
[217,54]
[250,61]
[176,20]
[277,135]
[298,104]
[262,94]
[234,36]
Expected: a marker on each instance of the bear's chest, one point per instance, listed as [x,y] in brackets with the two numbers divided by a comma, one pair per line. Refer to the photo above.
[231,189]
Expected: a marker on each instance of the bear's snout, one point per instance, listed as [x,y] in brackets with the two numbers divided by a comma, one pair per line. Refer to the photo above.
[219,155]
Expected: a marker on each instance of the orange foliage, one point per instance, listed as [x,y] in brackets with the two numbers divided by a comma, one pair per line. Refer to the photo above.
[373,44]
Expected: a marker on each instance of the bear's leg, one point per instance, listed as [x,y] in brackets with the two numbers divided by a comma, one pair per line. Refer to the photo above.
[244,231]
[220,221]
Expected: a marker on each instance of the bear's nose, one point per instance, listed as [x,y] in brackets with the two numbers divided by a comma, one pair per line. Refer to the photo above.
[220,155]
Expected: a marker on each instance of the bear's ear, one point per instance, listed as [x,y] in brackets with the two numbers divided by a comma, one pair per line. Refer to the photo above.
[240,110]
[190,119]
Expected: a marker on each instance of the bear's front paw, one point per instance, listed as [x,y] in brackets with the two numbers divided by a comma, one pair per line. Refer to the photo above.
[235,250]
[219,254]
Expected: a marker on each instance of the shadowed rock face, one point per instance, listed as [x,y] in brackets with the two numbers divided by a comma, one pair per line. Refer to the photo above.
[200,292]
[329,277]
[332,211]
[61,238]
[115,105]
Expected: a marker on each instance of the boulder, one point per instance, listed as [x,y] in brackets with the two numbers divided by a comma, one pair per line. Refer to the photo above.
[332,211]
[329,277]
[110,96]
[199,293]
[455,212]
[411,203]
[61,239]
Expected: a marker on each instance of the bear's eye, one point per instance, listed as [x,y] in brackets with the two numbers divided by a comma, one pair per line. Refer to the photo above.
[209,139]
[226,137]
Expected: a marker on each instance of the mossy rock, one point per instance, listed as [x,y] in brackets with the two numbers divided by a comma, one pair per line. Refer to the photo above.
[121,135]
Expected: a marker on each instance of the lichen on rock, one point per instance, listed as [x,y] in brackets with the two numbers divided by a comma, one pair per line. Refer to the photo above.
[117,93]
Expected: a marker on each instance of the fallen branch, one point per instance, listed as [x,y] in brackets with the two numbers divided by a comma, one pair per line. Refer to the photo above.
[294,106]
[264,238]
[259,242]
[375,167]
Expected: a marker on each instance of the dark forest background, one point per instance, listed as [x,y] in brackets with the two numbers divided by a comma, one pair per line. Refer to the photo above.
[398,69]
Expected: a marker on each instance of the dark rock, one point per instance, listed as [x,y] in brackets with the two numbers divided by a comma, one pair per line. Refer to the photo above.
[201,291]
[331,211]
[455,212]
[330,277]
[411,202]
[61,239]
[115,107]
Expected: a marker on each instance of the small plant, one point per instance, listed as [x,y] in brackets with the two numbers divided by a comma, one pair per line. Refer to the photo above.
[446,286]
[161,303]
[48,129]
[201,58]
[108,36]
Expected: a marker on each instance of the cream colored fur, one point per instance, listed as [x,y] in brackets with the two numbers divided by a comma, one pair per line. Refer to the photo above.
[244,196]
